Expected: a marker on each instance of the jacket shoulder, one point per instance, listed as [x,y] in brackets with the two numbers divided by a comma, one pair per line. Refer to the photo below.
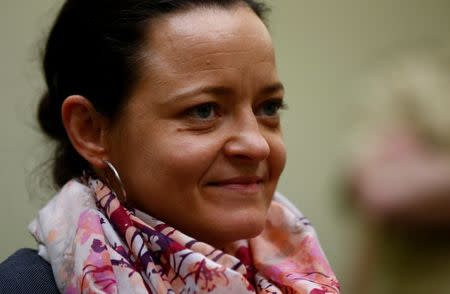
[26,272]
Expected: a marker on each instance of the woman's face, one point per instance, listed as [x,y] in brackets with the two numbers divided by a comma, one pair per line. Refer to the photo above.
[199,144]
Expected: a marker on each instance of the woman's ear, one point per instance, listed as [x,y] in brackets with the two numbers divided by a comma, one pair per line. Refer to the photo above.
[86,129]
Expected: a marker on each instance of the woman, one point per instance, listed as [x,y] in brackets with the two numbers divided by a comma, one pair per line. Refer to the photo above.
[170,149]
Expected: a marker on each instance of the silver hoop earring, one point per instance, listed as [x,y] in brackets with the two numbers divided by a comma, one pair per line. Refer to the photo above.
[117,181]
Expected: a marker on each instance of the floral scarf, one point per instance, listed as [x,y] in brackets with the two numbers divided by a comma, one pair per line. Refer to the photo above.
[96,245]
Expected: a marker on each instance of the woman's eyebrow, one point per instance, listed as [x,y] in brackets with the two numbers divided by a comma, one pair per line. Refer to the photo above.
[218,91]
[273,88]
[190,92]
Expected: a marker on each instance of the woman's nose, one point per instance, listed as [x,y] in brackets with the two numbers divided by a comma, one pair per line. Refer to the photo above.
[246,141]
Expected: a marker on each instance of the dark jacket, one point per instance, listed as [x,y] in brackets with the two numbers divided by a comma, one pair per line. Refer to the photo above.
[26,272]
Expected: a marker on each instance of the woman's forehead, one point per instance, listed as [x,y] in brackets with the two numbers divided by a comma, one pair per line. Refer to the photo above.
[208,38]
[210,20]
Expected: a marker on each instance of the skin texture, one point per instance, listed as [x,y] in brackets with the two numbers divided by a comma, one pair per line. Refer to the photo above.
[198,145]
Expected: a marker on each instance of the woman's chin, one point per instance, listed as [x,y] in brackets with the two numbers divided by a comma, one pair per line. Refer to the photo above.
[229,230]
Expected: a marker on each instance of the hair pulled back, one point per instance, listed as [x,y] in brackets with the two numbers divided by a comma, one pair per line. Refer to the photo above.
[93,50]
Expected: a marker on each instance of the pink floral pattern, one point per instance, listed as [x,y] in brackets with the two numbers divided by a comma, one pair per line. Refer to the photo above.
[96,245]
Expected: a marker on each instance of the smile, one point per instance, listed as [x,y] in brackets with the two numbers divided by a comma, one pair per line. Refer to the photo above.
[247,185]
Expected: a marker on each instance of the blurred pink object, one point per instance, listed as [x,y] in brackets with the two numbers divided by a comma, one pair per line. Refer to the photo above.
[402,179]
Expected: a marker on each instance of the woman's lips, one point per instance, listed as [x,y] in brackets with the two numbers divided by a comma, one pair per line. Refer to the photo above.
[252,184]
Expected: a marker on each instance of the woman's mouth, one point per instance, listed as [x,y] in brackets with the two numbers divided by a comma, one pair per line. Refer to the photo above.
[243,184]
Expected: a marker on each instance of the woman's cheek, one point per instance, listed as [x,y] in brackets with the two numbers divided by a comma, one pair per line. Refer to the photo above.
[278,155]
[189,158]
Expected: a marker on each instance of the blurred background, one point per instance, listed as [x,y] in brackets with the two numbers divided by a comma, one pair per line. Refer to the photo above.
[326,50]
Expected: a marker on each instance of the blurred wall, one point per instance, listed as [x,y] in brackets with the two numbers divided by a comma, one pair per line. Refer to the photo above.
[23,25]
[321,47]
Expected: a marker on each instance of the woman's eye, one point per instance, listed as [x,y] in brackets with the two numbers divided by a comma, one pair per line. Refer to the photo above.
[203,111]
[271,108]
